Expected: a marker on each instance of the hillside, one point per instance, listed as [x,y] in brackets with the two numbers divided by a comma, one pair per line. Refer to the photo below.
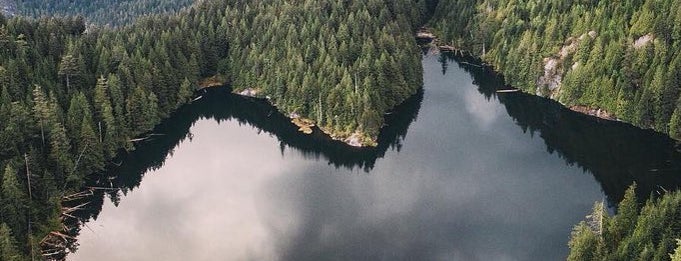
[75,93]
[100,12]
[621,59]
[74,96]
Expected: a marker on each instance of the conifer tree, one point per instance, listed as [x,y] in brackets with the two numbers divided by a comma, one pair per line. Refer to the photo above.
[70,66]
[14,199]
[8,245]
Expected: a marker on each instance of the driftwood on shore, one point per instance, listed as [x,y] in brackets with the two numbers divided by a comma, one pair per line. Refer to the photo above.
[447,48]
[508,90]
[425,35]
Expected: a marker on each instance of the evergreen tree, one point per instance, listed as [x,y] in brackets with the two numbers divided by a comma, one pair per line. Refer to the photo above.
[60,151]
[15,199]
[675,122]
[138,111]
[624,222]
[583,244]
[185,93]
[647,234]
[69,67]
[677,253]
[8,246]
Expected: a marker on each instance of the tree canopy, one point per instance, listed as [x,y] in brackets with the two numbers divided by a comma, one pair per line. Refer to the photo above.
[623,57]
[648,232]
[73,94]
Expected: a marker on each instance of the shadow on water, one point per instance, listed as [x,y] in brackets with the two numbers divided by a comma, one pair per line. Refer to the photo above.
[220,104]
[616,153]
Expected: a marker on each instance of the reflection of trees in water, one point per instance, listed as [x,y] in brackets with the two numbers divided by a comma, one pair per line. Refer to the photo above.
[220,105]
[616,153]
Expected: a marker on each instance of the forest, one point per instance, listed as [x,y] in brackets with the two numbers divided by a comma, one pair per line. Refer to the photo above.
[76,91]
[621,57]
[101,12]
[74,95]
[647,232]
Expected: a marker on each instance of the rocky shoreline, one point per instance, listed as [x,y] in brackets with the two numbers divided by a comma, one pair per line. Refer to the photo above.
[596,112]
[424,34]
[306,126]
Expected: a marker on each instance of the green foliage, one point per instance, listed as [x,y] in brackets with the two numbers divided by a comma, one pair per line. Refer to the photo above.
[8,245]
[101,12]
[71,98]
[648,234]
[184,95]
[622,57]
[677,253]
[312,58]
[584,244]
[675,122]
[14,200]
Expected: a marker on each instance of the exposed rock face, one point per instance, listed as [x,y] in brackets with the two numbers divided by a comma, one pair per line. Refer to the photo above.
[354,140]
[250,92]
[553,69]
[552,77]
[592,34]
[643,41]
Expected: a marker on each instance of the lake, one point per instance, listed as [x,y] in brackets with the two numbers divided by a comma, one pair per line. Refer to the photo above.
[461,173]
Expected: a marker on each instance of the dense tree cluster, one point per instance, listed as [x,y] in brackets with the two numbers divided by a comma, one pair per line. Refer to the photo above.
[70,100]
[340,63]
[72,96]
[634,233]
[101,12]
[620,56]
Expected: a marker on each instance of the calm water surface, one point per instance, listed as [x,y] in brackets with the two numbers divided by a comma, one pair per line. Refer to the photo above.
[460,174]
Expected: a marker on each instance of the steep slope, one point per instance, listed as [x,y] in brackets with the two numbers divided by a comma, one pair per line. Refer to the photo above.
[620,57]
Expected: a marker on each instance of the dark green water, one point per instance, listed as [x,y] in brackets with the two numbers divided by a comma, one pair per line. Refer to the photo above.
[461,173]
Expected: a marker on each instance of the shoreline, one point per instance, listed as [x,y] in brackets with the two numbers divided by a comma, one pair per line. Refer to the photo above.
[435,45]
[308,126]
